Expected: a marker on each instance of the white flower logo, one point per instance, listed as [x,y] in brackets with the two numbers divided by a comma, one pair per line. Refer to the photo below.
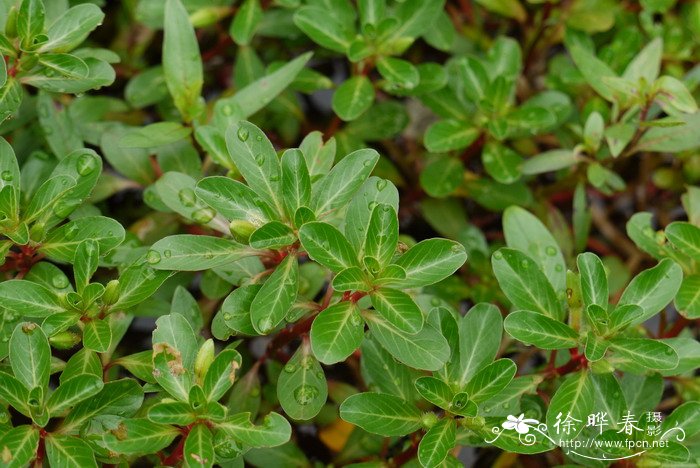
[521,424]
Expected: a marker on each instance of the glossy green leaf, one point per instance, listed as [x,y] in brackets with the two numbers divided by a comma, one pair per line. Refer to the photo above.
[302,389]
[353,98]
[336,332]
[540,330]
[276,296]
[381,414]
[437,443]
[398,308]
[30,355]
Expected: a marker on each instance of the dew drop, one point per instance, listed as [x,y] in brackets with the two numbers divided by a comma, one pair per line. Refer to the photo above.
[153,257]
[381,184]
[497,255]
[6,176]
[59,281]
[260,159]
[274,177]
[227,317]
[371,205]
[242,134]
[551,251]
[558,268]
[305,394]
[167,253]
[71,232]
[187,197]
[356,320]
[227,110]
[525,264]
[265,325]
[86,165]
[259,137]
[289,368]
[203,215]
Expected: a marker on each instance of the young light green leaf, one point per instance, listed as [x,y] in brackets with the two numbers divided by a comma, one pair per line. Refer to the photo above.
[382,234]
[296,182]
[273,235]
[540,330]
[62,242]
[233,200]
[380,413]
[685,237]
[329,33]
[144,437]
[72,27]
[384,374]
[246,20]
[435,391]
[573,399]
[688,298]
[301,388]
[337,332]
[221,374]
[97,335]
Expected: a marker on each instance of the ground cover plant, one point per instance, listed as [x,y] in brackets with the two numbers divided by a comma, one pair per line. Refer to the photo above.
[293,233]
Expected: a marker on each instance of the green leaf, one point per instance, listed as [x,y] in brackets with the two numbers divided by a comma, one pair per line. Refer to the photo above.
[490,380]
[343,181]
[18,446]
[382,414]
[274,431]
[540,330]
[398,72]
[29,299]
[426,349]
[253,97]
[674,95]
[327,246]
[14,393]
[416,18]
[233,200]
[62,242]
[502,163]
[337,332]
[549,161]
[97,335]
[373,192]
[477,342]
[64,450]
[594,70]
[672,139]
[182,64]
[653,289]
[441,176]
[30,21]
[246,20]
[398,308]
[221,374]
[72,27]
[685,237]
[235,311]
[652,354]
[594,280]
[139,436]
[437,443]
[524,232]
[73,391]
[646,64]
[65,64]
[352,98]
[138,282]
[273,235]
[449,135]
[296,182]
[187,252]
[171,412]
[30,355]
[9,168]
[276,296]
[157,134]
[574,398]
[117,398]
[435,391]
[524,284]
[382,234]
[430,261]
[257,160]
[384,374]
[329,33]
[301,388]
[688,298]
[199,447]
[351,279]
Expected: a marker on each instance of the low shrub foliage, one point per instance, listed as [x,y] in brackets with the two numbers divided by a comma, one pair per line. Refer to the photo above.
[368,233]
